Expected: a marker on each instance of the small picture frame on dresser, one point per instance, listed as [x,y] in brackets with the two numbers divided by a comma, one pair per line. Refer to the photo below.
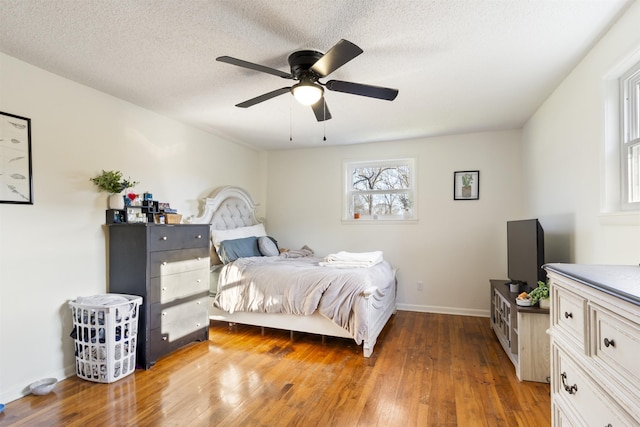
[134,215]
[115,216]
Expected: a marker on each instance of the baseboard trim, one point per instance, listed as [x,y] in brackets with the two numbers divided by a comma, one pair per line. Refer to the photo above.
[18,392]
[443,310]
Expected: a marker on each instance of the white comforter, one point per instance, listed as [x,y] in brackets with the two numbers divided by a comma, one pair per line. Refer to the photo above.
[301,286]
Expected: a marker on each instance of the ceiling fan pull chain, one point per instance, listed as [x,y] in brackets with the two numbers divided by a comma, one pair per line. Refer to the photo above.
[324,122]
[291,119]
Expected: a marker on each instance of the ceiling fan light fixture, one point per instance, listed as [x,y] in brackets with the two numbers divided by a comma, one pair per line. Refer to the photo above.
[307,66]
[307,93]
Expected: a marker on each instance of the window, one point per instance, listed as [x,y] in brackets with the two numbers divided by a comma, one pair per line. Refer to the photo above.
[380,190]
[630,131]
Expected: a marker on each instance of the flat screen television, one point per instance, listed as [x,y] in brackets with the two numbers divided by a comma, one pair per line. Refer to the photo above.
[525,251]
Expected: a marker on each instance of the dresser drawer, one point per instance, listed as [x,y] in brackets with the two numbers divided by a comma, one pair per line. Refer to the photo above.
[167,237]
[176,321]
[171,287]
[616,344]
[561,418]
[569,315]
[178,261]
[160,345]
[583,396]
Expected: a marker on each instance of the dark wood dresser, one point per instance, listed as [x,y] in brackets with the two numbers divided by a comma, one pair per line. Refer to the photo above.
[168,266]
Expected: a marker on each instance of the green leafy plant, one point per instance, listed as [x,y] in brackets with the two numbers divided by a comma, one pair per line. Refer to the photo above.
[112,182]
[541,292]
[467,179]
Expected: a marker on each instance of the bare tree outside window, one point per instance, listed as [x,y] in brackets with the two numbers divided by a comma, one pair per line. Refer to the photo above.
[381,190]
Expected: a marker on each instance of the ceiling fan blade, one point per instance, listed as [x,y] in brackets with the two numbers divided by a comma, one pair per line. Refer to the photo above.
[262,98]
[385,93]
[255,67]
[321,110]
[341,53]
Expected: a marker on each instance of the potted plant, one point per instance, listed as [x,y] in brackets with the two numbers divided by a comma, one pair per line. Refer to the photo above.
[406,203]
[541,293]
[113,183]
[467,180]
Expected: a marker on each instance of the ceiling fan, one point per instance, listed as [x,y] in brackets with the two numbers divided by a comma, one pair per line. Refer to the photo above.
[307,67]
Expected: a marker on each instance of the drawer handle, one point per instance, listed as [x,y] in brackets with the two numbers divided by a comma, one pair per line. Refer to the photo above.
[164,338]
[198,281]
[164,313]
[608,342]
[568,315]
[198,302]
[164,238]
[199,236]
[164,262]
[569,389]
[164,289]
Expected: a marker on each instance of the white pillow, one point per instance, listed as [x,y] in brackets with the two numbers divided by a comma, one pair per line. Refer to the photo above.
[218,236]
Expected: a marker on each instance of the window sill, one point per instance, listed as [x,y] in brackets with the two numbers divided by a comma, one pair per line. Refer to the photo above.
[620,218]
[379,221]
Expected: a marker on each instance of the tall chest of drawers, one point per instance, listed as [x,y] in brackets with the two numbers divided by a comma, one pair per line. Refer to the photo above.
[168,266]
[595,345]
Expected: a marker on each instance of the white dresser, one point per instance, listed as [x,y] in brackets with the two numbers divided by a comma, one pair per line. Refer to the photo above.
[595,345]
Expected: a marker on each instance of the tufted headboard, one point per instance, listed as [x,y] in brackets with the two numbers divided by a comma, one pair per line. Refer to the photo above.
[228,208]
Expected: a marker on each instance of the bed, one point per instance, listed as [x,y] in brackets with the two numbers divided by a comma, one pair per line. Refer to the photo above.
[310,294]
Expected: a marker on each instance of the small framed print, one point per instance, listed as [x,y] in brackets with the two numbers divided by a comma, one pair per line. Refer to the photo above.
[15,159]
[466,185]
[134,215]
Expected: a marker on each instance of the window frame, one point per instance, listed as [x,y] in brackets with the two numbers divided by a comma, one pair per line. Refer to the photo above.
[348,191]
[629,84]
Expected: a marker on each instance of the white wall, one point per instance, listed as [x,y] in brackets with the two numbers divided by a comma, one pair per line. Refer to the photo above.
[454,248]
[53,251]
[565,149]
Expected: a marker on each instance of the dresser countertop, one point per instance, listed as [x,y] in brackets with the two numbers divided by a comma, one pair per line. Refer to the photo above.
[622,281]
[502,286]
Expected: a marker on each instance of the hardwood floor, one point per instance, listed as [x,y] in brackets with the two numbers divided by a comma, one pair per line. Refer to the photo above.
[426,370]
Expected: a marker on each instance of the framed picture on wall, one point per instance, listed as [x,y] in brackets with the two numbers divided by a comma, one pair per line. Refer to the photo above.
[15,159]
[466,185]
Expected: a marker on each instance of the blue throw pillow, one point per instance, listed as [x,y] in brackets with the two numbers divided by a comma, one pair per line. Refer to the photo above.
[231,250]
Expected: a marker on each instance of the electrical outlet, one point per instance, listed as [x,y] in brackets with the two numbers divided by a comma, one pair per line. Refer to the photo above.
[420,285]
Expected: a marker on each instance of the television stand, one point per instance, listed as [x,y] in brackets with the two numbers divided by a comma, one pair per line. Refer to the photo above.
[522,332]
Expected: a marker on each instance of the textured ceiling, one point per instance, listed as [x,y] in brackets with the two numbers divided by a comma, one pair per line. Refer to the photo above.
[460,65]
